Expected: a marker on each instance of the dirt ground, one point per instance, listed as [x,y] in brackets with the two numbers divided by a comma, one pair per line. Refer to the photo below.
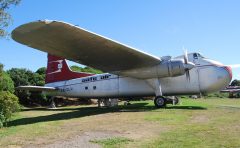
[193,123]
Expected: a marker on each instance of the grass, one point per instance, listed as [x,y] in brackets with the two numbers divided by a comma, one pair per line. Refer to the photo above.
[214,126]
[194,123]
[112,142]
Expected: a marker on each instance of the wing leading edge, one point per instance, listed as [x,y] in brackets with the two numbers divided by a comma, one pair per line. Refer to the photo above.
[81,46]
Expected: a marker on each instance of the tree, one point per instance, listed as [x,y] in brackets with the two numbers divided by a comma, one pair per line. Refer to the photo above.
[22,77]
[6,83]
[85,69]
[42,71]
[8,102]
[1,68]
[5,17]
[8,105]
[76,68]
[1,77]
[91,70]
[40,75]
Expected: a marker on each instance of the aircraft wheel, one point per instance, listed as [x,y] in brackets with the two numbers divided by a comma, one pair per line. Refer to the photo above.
[160,102]
[176,100]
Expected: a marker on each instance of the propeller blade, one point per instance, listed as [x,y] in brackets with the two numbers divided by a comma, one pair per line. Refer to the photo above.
[188,65]
[185,56]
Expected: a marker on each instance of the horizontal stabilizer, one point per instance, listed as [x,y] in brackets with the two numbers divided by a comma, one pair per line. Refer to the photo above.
[36,88]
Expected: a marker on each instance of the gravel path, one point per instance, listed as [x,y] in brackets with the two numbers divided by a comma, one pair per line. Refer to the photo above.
[79,141]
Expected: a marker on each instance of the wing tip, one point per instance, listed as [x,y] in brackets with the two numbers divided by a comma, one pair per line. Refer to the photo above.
[27,27]
[19,31]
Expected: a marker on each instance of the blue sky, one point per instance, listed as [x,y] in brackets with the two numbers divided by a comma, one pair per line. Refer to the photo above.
[159,27]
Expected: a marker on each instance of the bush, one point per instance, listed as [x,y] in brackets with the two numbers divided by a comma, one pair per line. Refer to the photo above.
[6,83]
[23,77]
[38,98]
[8,105]
[1,119]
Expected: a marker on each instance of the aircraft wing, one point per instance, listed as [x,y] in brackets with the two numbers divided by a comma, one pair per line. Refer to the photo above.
[81,46]
[36,88]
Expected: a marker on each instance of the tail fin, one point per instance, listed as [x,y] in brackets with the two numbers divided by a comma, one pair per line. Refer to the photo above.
[58,70]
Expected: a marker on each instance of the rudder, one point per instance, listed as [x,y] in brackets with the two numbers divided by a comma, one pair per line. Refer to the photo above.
[58,70]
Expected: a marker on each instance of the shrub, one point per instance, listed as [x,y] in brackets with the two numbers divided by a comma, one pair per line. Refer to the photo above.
[6,83]
[21,77]
[8,105]
[1,119]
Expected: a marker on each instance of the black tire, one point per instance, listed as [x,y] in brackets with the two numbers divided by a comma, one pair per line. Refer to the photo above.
[176,100]
[160,102]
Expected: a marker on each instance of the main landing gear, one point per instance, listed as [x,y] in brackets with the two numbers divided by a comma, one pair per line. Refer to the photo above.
[161,101]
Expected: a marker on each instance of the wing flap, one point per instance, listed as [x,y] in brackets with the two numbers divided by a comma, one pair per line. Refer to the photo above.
[81,46]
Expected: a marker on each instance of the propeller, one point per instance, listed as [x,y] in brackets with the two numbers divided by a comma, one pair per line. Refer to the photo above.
[188,65]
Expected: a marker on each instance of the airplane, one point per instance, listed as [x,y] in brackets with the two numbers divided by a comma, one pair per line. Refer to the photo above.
[129,72]
[232,90]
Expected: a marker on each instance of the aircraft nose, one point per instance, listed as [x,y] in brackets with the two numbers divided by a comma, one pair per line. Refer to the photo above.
[225,75]
[217,78]
[229,71]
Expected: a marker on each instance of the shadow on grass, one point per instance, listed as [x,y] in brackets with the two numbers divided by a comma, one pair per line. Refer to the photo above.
[130,108]
[187,107]
[86,111]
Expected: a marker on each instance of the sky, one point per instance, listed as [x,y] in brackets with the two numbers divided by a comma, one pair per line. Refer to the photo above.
[158,27]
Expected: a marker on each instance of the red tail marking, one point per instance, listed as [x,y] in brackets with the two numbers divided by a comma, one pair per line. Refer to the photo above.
[229,70]
[58,70]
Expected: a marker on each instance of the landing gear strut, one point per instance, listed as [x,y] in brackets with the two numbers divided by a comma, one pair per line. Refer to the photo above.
[160,102]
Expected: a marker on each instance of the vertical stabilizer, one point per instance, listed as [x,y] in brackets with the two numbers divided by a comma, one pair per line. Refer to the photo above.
[58,70]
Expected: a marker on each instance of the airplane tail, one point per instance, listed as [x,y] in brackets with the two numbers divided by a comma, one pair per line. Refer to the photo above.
[58,70]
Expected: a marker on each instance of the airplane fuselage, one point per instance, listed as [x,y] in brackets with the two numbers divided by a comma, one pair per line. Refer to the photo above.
[207,76]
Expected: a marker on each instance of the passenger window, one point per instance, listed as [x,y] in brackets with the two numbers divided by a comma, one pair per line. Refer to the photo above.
[94,87]
[86,88]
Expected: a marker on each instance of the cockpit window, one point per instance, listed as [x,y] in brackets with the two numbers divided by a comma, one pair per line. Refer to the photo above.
[197,56]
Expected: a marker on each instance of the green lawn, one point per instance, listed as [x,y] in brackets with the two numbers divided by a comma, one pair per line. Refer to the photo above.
[193,123]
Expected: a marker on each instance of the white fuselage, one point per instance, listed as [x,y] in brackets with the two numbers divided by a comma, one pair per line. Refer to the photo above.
[207,76]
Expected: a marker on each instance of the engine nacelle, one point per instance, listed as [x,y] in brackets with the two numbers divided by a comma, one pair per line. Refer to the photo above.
[171,68]
[167,68]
